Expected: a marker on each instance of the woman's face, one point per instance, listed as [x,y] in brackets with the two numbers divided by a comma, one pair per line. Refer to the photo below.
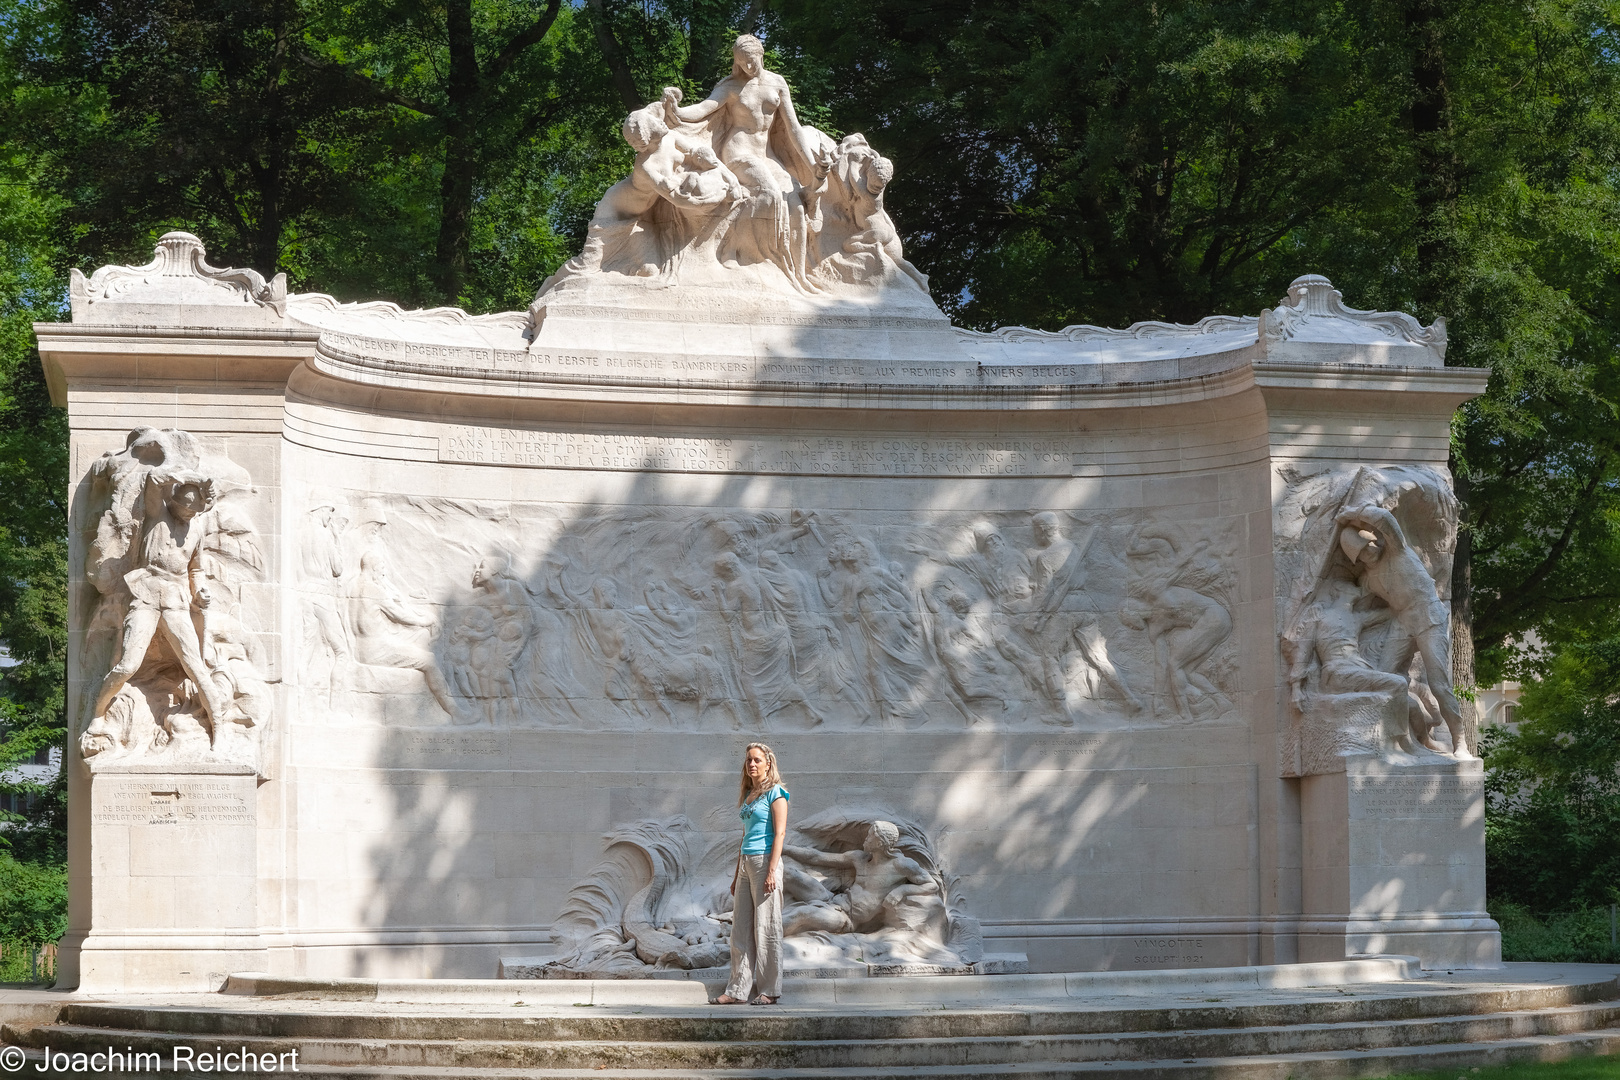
[747,63]
[754,765]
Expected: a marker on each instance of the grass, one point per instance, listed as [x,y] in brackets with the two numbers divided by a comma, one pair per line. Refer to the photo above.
[1594,1068]
[1576,937]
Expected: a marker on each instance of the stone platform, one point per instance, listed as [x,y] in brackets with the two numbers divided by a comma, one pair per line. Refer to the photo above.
[539,967]
[1356,1019]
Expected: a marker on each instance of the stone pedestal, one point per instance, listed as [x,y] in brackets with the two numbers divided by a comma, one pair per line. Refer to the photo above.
[174,890]
[1394,862]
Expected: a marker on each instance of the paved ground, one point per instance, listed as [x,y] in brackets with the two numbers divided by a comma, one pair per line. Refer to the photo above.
[29,1004]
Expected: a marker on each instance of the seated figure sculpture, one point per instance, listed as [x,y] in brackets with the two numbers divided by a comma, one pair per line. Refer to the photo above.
[734,188]
[885,891]
[670,168]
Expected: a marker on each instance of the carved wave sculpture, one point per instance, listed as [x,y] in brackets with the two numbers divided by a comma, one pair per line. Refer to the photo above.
[659,900]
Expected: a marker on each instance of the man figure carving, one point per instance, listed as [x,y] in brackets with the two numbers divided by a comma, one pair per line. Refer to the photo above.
[164,586]
[1391,570]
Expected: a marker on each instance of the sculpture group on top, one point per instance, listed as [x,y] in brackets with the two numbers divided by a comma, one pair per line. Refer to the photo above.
[734,188]
[173,546]
[859,887]
[1367,630]
[746,620]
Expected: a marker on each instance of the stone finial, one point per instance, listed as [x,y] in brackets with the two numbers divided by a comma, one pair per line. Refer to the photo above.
[1313,323]
[178,288]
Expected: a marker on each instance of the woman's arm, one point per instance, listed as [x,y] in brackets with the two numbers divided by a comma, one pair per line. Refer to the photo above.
[691,114]
[773,873]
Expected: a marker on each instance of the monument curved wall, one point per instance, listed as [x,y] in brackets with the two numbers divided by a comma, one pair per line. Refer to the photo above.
[1063,605]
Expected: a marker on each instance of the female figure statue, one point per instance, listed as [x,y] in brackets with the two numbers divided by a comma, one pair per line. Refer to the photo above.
[752,126]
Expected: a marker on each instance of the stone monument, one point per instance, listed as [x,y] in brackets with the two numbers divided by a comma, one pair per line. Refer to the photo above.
[408,641]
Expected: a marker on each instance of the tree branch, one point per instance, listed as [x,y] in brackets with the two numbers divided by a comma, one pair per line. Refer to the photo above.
[1582,506]
[365,84]
[520,43]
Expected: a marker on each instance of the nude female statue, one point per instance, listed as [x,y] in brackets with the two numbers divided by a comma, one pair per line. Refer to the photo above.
[757,134]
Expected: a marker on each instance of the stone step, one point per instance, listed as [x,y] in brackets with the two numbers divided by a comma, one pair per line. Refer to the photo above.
[846,1054]
[1320,1065]
[296,1020]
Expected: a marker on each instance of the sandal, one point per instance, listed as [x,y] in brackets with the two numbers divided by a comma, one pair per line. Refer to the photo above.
[726,999]
[763,1000]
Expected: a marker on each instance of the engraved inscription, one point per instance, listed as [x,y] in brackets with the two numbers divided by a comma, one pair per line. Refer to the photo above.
[467,745]
[188,803]
[826,456]
[1442,797]
[1065,752]
[462,358]
[1168,951]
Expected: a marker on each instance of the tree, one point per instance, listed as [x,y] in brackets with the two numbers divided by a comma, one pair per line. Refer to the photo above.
[646,47]
[1108,162]
[484,75]
[33,524]
[1114,161]
[193,112]
[1553,787]
[425,152]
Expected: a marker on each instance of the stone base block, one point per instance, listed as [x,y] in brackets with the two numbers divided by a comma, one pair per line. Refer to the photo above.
[174,900]
[1395,863]
[180,964]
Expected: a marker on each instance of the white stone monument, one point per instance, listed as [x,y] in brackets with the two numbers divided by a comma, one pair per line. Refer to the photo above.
[406,641]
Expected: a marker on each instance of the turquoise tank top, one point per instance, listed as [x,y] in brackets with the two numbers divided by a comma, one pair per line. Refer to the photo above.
[756,818]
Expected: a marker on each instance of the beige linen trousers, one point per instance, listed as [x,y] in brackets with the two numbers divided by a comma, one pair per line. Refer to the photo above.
[756,934]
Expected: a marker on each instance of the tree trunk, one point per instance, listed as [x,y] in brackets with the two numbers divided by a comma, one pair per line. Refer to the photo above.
[623,81]
[267,244]
[454,252]
[1436,189]
[1430,118]
[1462,611]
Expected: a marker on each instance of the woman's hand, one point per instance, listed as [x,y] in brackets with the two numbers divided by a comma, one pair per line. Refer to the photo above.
[773,875]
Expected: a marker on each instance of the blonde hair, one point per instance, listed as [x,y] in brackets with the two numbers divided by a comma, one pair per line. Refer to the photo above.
[773,776]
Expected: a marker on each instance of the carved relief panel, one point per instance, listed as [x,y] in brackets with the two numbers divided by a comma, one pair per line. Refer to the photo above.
[431,611]
[178,674]
[1365,556]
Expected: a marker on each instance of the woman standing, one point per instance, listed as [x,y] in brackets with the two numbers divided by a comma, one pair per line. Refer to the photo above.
[756,921]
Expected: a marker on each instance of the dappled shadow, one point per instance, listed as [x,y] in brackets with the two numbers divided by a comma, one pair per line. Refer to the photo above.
[608,638]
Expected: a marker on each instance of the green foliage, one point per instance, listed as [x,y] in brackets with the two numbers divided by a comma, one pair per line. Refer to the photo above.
[1538,301]
[33,524]
[1553,788]
[33,901]
[1110,161]
[1576,937]
[370,150]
